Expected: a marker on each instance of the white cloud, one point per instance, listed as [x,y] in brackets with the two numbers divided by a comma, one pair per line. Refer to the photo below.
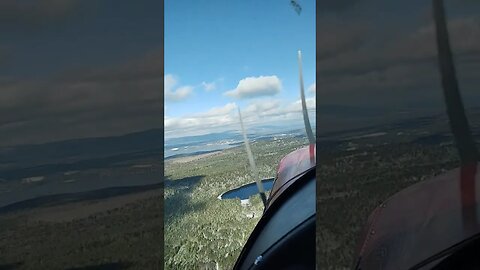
[223,118]
[169,82]
[276,112]
[214,120]
[179,94]
[297,105]
[312,88]
[175,94]
[216,111]
[251,87]
[262,107]
[209,86]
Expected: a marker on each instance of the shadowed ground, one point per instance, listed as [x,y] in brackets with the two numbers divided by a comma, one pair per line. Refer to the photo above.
[122,230]
[357,173]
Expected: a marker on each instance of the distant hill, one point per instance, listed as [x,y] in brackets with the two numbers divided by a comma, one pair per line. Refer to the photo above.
[253,132]
[75,150]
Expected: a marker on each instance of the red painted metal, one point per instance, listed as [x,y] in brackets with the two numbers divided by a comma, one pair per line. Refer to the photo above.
[467,189]
[421,221]
[291,166]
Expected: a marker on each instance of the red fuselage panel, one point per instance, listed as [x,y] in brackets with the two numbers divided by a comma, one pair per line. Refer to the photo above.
[422,220]
[292,165]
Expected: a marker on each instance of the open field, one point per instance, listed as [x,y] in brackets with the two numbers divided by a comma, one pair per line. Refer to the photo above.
[193,158]
[201,231]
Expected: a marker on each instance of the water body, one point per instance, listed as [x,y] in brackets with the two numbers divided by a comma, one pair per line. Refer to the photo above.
[192,145]
[198,149]
[246,191]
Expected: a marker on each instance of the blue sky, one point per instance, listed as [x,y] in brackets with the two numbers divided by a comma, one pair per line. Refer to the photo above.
[213,47]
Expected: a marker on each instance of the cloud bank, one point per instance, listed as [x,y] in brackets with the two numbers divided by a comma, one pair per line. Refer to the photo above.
[223,118]
[103,101]
[366,66]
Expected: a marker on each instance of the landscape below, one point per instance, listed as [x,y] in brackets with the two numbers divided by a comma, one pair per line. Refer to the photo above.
[105,211]
[82,204]
[201,231]
[360,169]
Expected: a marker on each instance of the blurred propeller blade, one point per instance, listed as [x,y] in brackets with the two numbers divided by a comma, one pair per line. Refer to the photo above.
[261,191]
[456,113]
[458,120]
[296,6]
[308,128]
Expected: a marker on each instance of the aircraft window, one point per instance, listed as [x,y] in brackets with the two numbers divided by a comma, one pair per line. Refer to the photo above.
[236,103]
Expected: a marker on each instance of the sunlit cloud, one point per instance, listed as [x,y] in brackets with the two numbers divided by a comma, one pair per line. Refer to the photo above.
[312,88]
[173,93]
[252,87]
[224,118]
